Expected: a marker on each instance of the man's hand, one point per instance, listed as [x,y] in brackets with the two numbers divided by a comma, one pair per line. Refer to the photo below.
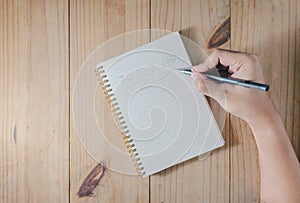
[240,101]
[279,166]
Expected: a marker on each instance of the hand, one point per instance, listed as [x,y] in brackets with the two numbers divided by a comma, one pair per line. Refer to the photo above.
[277,158]
[245,103]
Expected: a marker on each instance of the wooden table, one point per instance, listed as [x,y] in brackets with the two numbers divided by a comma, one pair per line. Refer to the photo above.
[42,47]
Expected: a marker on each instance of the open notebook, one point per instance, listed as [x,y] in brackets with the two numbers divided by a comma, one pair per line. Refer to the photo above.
[163,119]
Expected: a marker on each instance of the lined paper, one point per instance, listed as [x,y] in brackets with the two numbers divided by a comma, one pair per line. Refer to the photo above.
[168,120]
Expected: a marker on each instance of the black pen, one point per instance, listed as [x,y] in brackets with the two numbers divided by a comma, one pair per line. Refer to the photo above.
[218,75]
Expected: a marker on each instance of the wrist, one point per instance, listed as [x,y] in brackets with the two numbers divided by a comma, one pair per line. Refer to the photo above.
[268,126]
[263,111]
[267,118]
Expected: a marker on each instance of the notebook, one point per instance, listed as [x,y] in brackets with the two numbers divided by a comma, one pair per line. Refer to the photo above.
[161,116]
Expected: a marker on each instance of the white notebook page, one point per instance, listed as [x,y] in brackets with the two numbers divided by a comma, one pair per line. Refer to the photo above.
[168,120]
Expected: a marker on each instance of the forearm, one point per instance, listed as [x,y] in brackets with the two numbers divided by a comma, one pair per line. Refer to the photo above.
[279,166]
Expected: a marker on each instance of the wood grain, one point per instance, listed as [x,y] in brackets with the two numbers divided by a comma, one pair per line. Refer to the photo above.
[91,24]
[34,102]
[220,36]
[194,180]
[271,30]
[44,43]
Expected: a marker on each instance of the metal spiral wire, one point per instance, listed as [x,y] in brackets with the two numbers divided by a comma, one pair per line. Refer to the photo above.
[113,104]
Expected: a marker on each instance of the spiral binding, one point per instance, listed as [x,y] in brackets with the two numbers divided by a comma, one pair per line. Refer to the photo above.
[113,104]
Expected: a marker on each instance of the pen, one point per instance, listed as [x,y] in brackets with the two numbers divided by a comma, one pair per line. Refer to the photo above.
[218,75]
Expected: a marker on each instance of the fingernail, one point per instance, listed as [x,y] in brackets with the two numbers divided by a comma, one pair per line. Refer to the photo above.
[194,68]
[194,76]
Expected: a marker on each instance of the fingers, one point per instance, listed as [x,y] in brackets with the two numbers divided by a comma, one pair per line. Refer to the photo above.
[199,82]
[225,57]
[208,87]
[211,62]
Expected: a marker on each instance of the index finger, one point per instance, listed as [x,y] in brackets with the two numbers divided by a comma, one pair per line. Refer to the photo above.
[224,57]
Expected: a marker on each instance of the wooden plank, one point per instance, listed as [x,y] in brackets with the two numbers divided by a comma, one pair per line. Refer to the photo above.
[35,105]
[194,180]
[244,161]
[34,101]
[92,23]
[270,29]
[296,100]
